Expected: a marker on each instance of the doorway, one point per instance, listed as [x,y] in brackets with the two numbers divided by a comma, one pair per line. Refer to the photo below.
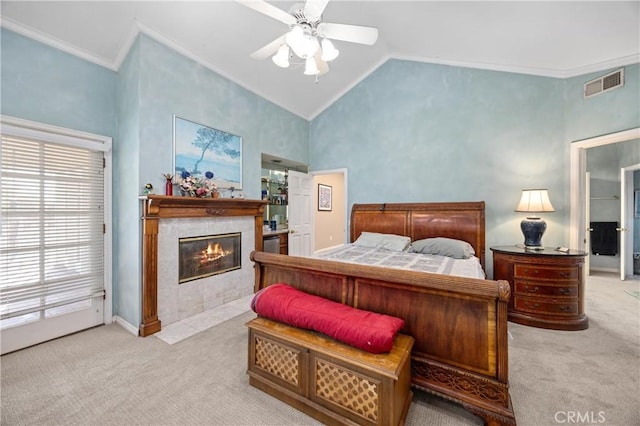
[578,190]
[331,224]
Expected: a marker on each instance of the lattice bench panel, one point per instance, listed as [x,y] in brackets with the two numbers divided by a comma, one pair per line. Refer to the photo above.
[333,382]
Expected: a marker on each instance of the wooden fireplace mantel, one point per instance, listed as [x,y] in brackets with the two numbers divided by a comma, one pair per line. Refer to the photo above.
[157,207]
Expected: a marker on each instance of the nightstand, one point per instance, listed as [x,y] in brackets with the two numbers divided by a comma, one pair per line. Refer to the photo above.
[547,286]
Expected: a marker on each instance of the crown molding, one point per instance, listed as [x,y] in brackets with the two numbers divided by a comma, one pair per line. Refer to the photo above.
[157,36]
[137,28]
[603,66]
[542,72]
[36,35]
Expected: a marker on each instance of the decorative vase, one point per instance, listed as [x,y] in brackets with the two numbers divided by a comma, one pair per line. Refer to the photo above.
[168,187]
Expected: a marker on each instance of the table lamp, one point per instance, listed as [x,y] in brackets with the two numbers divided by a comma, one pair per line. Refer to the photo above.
[534,201]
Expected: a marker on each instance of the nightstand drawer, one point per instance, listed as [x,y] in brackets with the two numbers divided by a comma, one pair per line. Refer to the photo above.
[544,272]
[546,306]
[533,288]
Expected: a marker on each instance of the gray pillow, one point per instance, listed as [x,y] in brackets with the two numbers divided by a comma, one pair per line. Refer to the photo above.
[443,246]
[384,241]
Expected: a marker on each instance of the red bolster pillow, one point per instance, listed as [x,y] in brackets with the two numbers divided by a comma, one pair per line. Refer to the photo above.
[365,330]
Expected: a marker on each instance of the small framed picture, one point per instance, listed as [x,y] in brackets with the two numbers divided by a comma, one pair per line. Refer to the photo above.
[636,209]
[324,197]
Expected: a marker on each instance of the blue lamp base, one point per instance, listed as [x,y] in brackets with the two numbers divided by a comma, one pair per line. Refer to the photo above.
[533,228]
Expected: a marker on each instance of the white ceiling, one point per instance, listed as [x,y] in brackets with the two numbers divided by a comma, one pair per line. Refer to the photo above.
[557,39]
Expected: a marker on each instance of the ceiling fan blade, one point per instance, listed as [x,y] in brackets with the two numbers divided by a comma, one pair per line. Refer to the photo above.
[350,33]
[314,8]
[269,10]
[269,49]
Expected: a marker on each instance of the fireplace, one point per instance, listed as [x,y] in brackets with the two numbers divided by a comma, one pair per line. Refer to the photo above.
[204,256]
[166,220]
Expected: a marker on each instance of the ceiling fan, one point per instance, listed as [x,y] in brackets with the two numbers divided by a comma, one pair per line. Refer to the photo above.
[305,30]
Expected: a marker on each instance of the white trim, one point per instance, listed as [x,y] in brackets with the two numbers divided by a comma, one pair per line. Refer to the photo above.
[603,66]
[148,31]
[326,249]
[577,168]
[47,39]
[139,27]
[124,324]
[345,189]
[126,45]
[27,128]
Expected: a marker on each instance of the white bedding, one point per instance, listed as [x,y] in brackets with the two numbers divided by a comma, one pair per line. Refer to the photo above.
[404,260]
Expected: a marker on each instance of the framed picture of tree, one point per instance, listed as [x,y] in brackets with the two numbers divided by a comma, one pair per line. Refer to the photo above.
[198,149]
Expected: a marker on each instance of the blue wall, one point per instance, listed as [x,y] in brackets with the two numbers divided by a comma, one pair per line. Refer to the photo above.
[419,132]
[46,85]
[154,84]
[409,132]
[135,106]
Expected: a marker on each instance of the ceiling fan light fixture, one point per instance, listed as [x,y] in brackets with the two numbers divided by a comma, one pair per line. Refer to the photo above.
[303,43]
[281,58]
[329,52]
[310,68]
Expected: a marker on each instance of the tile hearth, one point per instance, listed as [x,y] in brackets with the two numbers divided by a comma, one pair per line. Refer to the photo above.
[180,330]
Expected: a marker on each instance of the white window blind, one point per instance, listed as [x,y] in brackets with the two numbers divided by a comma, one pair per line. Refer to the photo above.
[52,215]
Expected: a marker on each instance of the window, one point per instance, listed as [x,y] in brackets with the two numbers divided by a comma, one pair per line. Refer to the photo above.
[52,233]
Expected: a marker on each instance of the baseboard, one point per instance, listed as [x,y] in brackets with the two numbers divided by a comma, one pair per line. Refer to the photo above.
[327,249]
[124,324]
[601,269]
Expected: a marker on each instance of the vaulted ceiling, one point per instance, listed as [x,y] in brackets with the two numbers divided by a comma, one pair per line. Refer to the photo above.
[556,39]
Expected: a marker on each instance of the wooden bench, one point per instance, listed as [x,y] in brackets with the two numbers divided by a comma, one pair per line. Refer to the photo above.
[330,381]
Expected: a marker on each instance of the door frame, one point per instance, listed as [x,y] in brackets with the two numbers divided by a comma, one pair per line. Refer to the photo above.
[626,219]
[345,180]
[577,177]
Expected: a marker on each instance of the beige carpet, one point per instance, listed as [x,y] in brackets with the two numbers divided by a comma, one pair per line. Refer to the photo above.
[105,376]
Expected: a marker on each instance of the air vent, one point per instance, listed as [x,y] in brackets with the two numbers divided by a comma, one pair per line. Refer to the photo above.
[604,83]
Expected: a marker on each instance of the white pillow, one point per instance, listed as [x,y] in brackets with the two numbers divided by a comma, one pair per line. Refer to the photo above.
[384,241]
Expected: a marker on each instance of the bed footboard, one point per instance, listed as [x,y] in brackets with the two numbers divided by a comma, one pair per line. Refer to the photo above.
[459,324]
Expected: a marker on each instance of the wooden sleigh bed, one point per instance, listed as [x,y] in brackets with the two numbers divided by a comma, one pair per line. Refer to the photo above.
[459,324]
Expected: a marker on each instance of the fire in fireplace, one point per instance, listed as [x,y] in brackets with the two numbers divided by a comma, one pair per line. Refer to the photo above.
[204,256]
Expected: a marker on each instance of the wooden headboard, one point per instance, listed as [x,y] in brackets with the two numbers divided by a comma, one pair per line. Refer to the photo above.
[459,220]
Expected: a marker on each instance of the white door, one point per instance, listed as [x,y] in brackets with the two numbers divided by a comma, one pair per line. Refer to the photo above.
[626,220]
[53,272]
[300,214]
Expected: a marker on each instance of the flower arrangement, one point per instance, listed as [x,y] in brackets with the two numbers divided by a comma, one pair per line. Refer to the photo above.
[193,186]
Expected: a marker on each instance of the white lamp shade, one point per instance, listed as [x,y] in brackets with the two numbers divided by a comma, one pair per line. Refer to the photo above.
[311,68]
[535,201]
[295,39]
[329,52]
[304,45]
[281,58]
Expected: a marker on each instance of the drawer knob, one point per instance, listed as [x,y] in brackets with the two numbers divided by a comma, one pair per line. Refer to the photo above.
[565,308]
[532,289]
[565,274]
[564,291]
[531,305]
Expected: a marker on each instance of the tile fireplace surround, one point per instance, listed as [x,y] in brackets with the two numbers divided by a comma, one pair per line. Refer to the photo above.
[165,220]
